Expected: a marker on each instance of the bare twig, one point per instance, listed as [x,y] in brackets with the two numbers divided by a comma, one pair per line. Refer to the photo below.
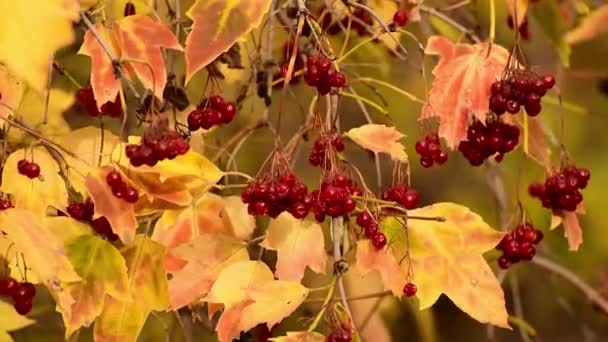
[337,228]
[459,27]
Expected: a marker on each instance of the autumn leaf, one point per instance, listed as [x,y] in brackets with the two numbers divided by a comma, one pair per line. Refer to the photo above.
[446,257]
[463,77]
[11,321]
[38,193]
[379,139]
[251,296]
[300,336]
[11,89]
[538,144]
[120,213]
[31,33]
[106,275]
[572,226]
[206,257]
[123,320]
[141,7]
[592,26]
[298,244]
[217,25]
[518,9]
[240,223]
[140,39]
[44,253]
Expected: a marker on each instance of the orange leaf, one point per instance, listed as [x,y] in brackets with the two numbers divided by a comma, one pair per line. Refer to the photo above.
[572,226]
[298,244]
[379,139]
[140,40]
[463,77]
[120,213]
[103,80]
[592,26]
[218,24]
[538,144]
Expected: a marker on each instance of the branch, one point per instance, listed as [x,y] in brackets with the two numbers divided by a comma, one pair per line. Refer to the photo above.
[450,21]
[337,228]
[354,298]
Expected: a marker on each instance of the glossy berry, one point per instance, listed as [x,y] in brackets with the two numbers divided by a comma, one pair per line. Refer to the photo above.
[5,204]
[323,147]
[520,89]
[25,291]
[213,111]
[156,147]
[403,195]
[23,307]
[8,286]
[273,196]
[334,197]
[129,9]
[322,75]
[518,245]
[379,240]
[32,170]
[429,149]
[81,211]
[86,98]
[400,18]
[484,141]
[339,335]
[561,190]
[114,179]
[410,289]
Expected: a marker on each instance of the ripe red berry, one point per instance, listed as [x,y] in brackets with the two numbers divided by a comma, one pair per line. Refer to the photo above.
[410,289]
[114,179]
[379,240]
[32,170]
[400,18]
[23,307]
[8,286]
[131,195]
[129,9]
[25,291]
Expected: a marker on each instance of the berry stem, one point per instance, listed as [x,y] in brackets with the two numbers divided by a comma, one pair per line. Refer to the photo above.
[366,100]
[459,27]
[390,86]
[338,235]
[328,298]
[355,298]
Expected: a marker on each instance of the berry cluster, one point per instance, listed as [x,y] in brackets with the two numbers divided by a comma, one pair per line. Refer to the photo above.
[6,203]
[561,190]
[429,149]
[22,293]
[120,188]
[318,154]
[410,289]
[521,89]
[400,193]
[85,97]
[83,211]
[518,245]
[271,197]
[483,141]
[401,17]
[129,9]
[340,335]
[366,221]
[321,74]
[334,197]
[156,147]
[213,111]
[28,168]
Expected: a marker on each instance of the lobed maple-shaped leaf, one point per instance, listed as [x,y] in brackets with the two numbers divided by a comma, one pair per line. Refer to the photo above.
[11,89]
[379,139]
[147,286]
[120,213]
[251,296]
[217,25]
[44,253]
[572,226]
[592,26]
[103,271]
[300,336]
[446,258]
[463,77]
[11,321]
[206,256]
[31,33]
[38,193]
[141,39]
[298,244]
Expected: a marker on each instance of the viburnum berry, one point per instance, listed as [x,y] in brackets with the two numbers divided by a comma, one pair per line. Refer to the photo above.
[129,9]
[493,139]
[319,155]
[102,227]
[120,188]
[82,211]
[28,169]
[410,289]
[321,74]
[561,190]
[86,98]
[6,203]
[518,245]
[400,18]
[379,240]
[429,149]
[212,111]
[520,88]
[21,292]
[334,197]
[402,194]
[155,147]
[8,286]
[340,335]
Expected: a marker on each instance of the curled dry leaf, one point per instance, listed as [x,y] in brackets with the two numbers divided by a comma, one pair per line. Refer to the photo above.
[217,25]
[379,139]
[446,258]
[298,244]
[572,226]
[30,37]
[463,77]
[250,296]
[591,27]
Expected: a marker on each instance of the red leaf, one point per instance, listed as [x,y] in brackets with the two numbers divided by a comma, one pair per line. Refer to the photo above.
[462,83]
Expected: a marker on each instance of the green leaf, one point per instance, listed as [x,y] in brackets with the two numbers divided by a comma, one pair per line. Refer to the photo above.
[546,13]
[103,270]
[123,320]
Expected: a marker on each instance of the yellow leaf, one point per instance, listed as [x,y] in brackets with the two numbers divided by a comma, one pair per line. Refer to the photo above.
[592,26]
[31,33]
[44,253]
[34,194]
[123,320]
[11,321]
[237,218]
[206,257]
[11,92]
[118,7]
[218,24]
[446,259]
[298,244]
[379,139]
[300,336]
[251,296]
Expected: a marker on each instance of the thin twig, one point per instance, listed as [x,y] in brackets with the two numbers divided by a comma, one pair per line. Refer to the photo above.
[355,298]
[337,228]
[450,21]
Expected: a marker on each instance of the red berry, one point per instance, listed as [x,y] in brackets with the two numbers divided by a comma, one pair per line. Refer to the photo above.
[549,81]
[379,240]
[129,9]
[25,291]
[101,226]
[364,219]
[504,262]
[410,289]
[32,170]
[400,18]
[195,120]
[114,179]
[8,286]
[130,195]
[23,307]
[22,165]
